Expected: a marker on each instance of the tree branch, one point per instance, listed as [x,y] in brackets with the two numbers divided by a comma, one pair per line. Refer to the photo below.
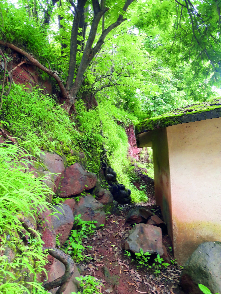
[180,4]
[74,6]
[96,6]
[90,52]
[193,30]
[127,4]
[103,17]
[4,76]
[37,64]
[48,12]
[87,54]
[104,86]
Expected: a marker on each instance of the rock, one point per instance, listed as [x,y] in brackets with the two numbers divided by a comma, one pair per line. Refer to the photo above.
[120,194]
[165,255]
[104,196]
[146,237]
[155,220]
[110,175]
[91,180]
[90,210]
[70,202]
[138,215]
[62,223]
[203,267]
[76,180]
[49,180]
[57,270]
[48,234]
[55,165]
[9,253]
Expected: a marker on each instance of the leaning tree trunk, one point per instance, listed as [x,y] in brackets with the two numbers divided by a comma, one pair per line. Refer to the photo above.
[69,93]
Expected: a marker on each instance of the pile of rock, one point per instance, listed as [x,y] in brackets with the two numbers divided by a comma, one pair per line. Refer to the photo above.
[202,267]
[147,233]
[119,192]
[57,222]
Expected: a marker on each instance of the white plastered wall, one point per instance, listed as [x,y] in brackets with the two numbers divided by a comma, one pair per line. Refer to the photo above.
[195,176]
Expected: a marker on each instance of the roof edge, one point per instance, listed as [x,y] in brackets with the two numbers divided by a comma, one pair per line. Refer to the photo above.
[189,115]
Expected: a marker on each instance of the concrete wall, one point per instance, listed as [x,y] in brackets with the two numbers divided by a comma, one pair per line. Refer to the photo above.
[162,175]
[187,174]
[195,177]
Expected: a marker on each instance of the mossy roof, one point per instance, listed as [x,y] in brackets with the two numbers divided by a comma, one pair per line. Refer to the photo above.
[190,113]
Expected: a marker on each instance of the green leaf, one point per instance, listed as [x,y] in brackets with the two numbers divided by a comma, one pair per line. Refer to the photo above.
[204,289]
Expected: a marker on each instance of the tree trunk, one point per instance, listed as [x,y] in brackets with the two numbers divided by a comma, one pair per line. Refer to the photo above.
[48,12]
[78,29]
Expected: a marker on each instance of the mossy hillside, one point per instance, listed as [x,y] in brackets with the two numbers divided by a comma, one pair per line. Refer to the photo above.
[190,113]
[38,123]
[105,130]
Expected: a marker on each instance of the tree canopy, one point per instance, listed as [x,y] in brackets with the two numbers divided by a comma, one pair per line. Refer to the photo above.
[146,56]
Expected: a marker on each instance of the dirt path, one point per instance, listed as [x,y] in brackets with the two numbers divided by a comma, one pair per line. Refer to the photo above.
[116,271]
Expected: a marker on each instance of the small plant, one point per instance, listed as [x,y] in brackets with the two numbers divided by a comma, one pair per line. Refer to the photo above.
[74,245]
[89,285]
[173,261]
[57,240]
[204,289]
[158,264]
[20,195]
[120,207]
[143,260]
[142,187]
[127,253]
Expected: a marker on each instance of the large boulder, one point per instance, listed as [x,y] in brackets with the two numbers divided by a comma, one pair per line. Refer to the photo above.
[90,210]
[70,202]
[55,165]
[62,222]
[203,267]
[146,237]
[75,180]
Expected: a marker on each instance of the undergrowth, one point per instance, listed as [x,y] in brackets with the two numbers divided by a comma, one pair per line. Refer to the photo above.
[73,246]
[104,126]
[38,123]
[148,261]
[88,285]
[20,194]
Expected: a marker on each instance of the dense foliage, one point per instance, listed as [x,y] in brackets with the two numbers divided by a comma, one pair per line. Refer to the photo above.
[166,54]
[136,59]
[20,194]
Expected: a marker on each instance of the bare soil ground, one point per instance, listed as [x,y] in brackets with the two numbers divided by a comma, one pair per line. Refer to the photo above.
[116,271]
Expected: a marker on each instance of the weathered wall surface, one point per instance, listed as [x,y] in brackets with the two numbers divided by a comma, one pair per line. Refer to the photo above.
[195,160]
[162,175]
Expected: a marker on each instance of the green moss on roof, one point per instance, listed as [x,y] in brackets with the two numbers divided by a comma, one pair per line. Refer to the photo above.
[191,113]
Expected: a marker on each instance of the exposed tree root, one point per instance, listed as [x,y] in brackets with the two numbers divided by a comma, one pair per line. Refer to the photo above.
[62,281]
